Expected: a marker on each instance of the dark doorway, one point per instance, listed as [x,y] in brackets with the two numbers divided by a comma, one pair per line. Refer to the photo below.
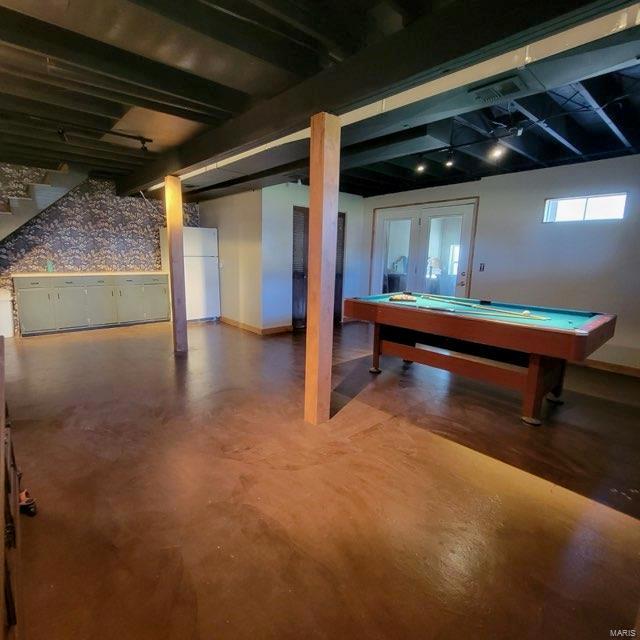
[300,253]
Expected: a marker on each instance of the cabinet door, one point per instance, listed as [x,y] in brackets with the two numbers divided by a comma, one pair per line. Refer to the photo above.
[70,307]
[130,304]
[156,302]
[35,308]
[101,305]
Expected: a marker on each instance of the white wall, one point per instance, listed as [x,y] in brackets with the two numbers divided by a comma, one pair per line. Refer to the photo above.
[591,266]
[277,248]
[239,224]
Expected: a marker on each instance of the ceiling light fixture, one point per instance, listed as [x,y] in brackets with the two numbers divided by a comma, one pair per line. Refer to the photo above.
[449,162]
[497,152]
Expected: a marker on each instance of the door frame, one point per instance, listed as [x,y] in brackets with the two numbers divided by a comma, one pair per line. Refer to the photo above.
[377,235]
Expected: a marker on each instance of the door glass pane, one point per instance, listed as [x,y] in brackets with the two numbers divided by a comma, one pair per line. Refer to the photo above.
[443,254]
[396,258]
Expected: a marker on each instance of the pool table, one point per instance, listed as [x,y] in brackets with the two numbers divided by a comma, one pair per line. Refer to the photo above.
[521,347]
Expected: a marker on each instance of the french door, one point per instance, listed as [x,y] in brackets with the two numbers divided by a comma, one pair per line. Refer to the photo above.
[424,248]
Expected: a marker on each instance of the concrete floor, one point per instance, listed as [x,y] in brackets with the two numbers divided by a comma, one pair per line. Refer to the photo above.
[185,499]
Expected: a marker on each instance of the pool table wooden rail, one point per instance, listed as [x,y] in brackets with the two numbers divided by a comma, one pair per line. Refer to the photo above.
[568,344]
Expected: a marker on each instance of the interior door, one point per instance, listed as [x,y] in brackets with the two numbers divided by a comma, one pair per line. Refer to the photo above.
[300,267]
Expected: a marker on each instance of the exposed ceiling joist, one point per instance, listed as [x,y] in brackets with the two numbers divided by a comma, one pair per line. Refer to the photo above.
[217,20]
[79,159]
[391,169]
[63,148]
[89,88]
[11,157]
[19,30]
[25,88]
[35,131]
[311,18]
[528,146]
[547,115]
[424,50]
[25,108]
[395,145]
[587,91]
[380,179]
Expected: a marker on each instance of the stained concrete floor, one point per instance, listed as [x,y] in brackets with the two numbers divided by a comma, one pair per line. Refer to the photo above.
[186,499]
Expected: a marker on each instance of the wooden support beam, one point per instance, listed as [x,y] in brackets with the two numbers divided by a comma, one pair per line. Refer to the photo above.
[175,222]
[324,172]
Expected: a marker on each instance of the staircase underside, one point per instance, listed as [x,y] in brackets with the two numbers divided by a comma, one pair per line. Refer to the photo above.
[56,185]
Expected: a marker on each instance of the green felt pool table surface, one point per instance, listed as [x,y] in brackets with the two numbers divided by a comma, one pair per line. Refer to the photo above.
[565,319]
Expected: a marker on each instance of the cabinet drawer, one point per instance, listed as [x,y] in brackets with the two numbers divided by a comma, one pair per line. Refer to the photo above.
[160,278]
[32,283]
[98,281]
[128,280]
[67,281]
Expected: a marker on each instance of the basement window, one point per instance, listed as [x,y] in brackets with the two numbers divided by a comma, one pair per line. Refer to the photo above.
[585,208]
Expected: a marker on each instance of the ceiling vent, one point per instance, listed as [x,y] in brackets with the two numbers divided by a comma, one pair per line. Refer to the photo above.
[497,91]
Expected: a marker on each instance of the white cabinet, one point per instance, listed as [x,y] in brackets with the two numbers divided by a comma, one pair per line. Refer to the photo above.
[156,302]
[101,305]
[50,302]
[35,310]
[130,303]
[70,307]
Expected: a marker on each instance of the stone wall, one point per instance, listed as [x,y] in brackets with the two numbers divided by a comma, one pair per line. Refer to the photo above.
[89,229]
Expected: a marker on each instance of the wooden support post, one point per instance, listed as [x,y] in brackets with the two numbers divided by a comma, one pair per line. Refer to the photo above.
[324,174]
[173,207]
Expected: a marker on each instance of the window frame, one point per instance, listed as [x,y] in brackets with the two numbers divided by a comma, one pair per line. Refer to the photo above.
[586,199]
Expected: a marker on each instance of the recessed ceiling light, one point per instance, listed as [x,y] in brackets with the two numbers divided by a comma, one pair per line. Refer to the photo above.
[421,167]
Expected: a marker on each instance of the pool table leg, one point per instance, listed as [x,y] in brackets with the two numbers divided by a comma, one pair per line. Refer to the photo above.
[533,391]
[375,365]
[555,395]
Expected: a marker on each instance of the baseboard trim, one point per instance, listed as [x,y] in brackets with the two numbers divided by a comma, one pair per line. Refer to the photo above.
[611,367]
[267,331]
[240,325]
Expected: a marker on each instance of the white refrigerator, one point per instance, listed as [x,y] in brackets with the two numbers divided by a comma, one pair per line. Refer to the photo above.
[201,271]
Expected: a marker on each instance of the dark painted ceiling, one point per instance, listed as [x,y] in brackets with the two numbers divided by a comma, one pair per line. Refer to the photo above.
[588,119]
[81,79]
[133,87]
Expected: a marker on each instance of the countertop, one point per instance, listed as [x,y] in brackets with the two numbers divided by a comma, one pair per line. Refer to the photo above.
[68,274]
